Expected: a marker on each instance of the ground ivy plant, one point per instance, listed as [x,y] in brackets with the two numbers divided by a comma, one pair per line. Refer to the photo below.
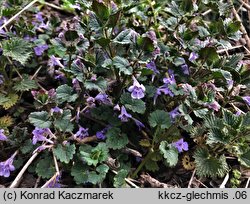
[96,93]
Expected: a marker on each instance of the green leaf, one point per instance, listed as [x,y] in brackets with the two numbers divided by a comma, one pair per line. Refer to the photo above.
[80,173]
[27,147]
[18,49]
[8,101]
[101,10]
[201,112]
[233,27]
[135,105]
[219,73]
[45,168]
[96,155]
[123,65]
[116,140]
[40,119]
[244,159]
[25,84]
[209,54]
[65,93]
[64,153]
[208,165]
[231,119]
[152,166]
[159,118]
[169,152]
[119,179]
[99,175]
[63,122]
[125,37]
[100,84]
[187,5]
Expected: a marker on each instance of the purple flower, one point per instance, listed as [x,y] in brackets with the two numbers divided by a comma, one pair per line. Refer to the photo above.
[151,65]
[2,136]
[90,102]
[103,99]
[76,84]
[124,116]
[181,145]
[40,134]
[56,110]
[55,182]
[238,113]
[174,113]
[139,124]
[6,167]
[101,134]
[55,61]
[117,107]
[39,50]
[193,56]
[82,133]
[1,79]
[213,105]
[39,17]
[185,69]
[246,99]
[138,90]
[152,36]
[165,88]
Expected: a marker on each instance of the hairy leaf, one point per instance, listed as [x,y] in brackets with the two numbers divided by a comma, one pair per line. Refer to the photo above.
[208,165]
[64,153]
[135,105]
[40,119]
[159,118]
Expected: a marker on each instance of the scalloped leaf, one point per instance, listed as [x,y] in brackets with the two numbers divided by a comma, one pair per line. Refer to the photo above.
[160,118]
[8,101]
[65,153]
[45,168]
[65,93]
[116,140]
[80,173]
[100,84]
[40,119]
[135,105]
[208,165]
[119,179]
[25,84]
[18,49]
[6,121]
[169,152]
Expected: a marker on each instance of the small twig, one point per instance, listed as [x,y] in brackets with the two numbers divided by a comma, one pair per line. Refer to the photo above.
[86,139]
[18,14]
[154,183]
[128,181]
[35,74]
[248,181]
[50,180]
[112,163]
[230,48]
[242,28]
[37,181]
[56,164]
[247,6]
[206,12]
[131,151]
[19,176]
[223,184]
[192,178]
[201,183]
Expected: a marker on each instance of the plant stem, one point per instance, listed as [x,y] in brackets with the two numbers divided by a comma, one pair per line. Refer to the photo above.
[144,161]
